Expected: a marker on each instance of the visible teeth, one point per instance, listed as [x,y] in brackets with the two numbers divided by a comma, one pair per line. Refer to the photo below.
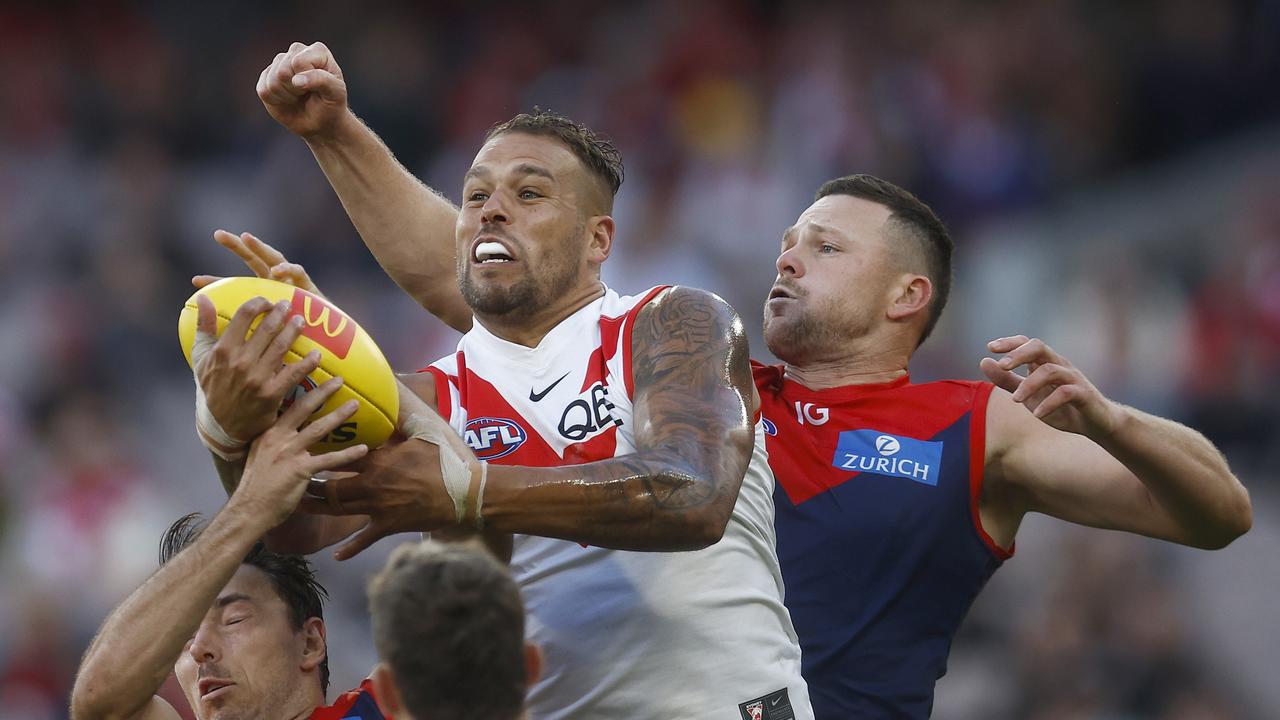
[491,251]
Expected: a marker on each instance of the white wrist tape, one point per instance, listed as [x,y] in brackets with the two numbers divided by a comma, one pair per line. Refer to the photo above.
[212,435]
[464,483]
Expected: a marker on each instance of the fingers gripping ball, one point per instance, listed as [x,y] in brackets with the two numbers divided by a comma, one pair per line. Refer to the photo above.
[345,349]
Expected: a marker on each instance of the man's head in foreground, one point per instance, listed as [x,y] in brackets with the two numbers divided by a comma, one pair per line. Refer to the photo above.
[448,623]
[260,648]
[536,222]
[866,267]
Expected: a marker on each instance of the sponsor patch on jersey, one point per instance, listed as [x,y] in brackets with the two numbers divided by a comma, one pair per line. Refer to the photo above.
[492,438]
[774,706]
[769,427]
[872,451]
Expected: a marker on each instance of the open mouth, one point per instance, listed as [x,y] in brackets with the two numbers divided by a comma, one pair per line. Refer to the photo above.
[491,252]
[208,687]
[781,292]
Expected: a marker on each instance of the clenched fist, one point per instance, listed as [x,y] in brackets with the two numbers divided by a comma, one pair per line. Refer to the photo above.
[304,91]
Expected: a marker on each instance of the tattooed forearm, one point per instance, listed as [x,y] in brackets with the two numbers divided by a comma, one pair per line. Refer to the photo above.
[693,432]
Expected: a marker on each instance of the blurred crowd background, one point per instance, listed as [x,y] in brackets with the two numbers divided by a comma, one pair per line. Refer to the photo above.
[1110,171]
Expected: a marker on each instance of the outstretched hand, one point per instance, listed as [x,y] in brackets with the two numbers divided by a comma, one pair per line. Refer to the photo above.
[263,260]
[1054,390]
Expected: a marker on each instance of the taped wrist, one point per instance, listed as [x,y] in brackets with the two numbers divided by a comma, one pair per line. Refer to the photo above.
[216,439]
[463,480]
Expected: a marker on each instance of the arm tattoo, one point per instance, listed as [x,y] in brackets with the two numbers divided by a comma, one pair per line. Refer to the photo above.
[692,382]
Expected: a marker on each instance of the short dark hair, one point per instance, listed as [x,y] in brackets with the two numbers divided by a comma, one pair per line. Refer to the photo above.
[292,576]
[448,620]
[917,220]
[598,154]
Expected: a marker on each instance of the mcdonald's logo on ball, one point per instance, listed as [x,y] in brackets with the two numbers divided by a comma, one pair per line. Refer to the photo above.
[324,323]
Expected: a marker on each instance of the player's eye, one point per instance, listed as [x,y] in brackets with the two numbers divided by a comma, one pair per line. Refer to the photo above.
[477,196]
[528,194]
[827,248]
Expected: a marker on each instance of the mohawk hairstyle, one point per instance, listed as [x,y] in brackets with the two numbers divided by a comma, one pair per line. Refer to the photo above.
[292,576]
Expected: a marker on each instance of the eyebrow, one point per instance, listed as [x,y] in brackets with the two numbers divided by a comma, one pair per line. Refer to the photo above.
[480,171]
[226,600]
[815,227]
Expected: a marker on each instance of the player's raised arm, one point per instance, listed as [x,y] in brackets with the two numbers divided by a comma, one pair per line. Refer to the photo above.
[694,434]
[141,640]
[1058,446]
[408,227]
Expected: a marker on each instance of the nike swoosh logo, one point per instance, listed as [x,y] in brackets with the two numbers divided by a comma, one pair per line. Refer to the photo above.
[536,396]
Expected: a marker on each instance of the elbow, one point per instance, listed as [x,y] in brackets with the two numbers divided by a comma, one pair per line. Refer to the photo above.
[1240,521]
[1235,522]
[90,699]
[707,528]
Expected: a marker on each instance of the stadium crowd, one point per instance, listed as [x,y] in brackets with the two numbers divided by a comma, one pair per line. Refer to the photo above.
[130,131]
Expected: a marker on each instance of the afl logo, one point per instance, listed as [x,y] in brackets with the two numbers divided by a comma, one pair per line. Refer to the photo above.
[492,438]
[302,388]
[888,445]
[769,427]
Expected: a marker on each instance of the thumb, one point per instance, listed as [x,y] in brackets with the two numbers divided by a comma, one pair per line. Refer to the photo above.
[326,85]
[1005,379]
[206,331]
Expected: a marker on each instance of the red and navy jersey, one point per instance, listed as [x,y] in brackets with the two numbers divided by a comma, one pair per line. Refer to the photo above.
[358,704]
[879,538]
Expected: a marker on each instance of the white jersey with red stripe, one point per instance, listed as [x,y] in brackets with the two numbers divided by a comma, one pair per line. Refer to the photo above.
[632,635]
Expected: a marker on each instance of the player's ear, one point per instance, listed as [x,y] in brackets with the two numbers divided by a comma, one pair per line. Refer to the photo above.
[600,228]
[532,664]
[910,294]
[314,648]
[385,690]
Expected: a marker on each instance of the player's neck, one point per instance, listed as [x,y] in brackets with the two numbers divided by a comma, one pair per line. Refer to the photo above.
[528,330]
[305,706]
[850,368]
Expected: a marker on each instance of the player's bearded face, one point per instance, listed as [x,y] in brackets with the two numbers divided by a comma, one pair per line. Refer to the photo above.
[832,281]
[521,233]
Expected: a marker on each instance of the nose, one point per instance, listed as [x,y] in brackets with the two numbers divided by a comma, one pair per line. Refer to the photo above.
[789,264]
[205,645]
[494,209]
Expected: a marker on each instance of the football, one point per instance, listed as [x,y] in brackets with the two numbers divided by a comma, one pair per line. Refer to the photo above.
[345,349]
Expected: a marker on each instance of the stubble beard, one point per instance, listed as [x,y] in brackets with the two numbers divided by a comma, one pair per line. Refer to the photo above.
[807,333]
[536,290]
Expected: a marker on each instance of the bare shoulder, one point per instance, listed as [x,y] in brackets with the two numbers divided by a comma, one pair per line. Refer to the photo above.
[686,330]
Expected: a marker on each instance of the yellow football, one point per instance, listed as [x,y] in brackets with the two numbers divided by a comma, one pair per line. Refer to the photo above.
[345,349]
